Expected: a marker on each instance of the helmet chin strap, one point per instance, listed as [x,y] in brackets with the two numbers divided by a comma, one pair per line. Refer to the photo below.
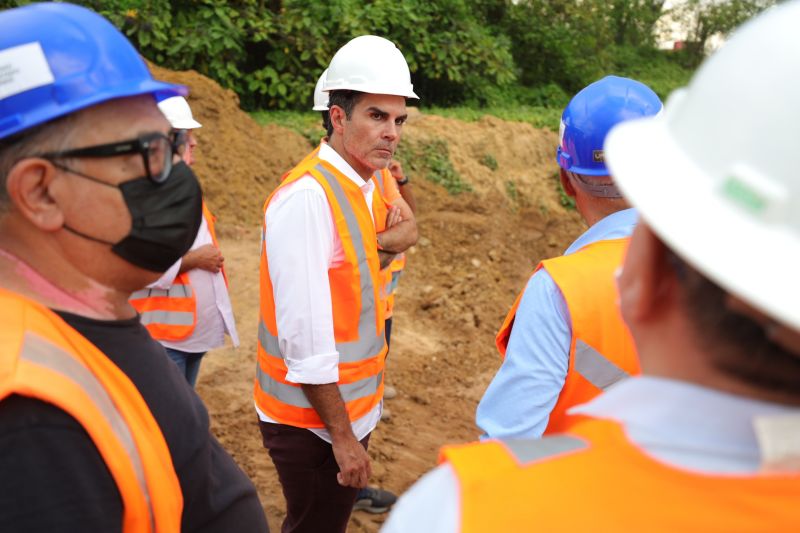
[598,190]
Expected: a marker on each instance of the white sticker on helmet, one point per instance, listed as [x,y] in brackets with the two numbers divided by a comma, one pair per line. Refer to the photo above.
[23,68]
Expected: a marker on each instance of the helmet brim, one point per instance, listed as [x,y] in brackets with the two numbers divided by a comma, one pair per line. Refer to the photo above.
[52,111]
[744,254]
[371,90]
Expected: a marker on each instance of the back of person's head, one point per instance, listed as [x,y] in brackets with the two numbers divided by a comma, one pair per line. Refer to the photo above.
[712,178]
[586,121]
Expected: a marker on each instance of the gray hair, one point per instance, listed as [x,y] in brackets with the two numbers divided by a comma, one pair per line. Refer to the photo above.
[52,136]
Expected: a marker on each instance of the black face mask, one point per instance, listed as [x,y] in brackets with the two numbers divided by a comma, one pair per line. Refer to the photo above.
[165,218]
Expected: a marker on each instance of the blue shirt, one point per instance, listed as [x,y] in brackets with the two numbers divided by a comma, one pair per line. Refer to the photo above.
[521,396]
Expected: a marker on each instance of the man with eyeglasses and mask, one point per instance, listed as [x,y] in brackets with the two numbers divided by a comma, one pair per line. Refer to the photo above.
[98,429]
[188,309]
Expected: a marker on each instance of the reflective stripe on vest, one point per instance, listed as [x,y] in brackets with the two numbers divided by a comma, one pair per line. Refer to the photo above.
[176,291]
[169,318]
[395,280]
[379,178]
[38,351]
[294,395]
[595,367]
[529,450]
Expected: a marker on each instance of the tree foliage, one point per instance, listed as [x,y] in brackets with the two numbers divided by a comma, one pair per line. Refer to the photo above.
[271,52]
[474,52]
[706,18]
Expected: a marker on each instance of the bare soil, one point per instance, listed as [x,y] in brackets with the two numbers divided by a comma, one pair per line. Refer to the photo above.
[476,251]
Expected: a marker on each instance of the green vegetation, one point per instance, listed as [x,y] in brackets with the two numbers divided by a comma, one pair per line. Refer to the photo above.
[489,162]
[512,192]
[567,201]
[431,158]
[518,59]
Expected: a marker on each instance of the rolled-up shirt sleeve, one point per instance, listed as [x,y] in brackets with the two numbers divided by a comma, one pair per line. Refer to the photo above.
[299,247]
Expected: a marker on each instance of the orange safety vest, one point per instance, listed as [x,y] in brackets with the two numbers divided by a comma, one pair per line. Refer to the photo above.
[357,309]
[601,350]
[390,274]
[594,479]
[171,314]
[45,359]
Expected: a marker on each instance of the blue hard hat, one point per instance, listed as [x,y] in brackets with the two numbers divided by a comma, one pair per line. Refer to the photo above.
[592,113]
[56,59]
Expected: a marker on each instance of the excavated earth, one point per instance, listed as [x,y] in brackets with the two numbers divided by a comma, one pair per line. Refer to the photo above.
[476,251]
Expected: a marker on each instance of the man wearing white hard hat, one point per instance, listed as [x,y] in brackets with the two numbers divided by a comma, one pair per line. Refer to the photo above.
[188,310]
[321,343]
[394,187]
[707,439]
[179,114]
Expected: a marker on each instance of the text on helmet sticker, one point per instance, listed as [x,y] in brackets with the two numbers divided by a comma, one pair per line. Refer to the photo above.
[23,68]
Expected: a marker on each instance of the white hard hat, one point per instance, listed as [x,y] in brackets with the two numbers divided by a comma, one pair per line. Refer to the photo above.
[320,97]
[178,112]
[715,176]
[370,64]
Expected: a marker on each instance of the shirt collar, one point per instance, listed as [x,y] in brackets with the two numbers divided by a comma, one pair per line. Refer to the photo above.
[615,226]
[683,414]
[326,153]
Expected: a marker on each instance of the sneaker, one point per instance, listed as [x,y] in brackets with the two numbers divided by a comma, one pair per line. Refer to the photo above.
[389,392]
[374,500]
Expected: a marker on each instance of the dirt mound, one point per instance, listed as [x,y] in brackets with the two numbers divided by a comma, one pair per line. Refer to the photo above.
[513,159]
[238,161]
[476,251]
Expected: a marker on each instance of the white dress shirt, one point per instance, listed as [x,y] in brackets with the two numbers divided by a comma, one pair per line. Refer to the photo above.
[681,424]
[214,310]
[302,245]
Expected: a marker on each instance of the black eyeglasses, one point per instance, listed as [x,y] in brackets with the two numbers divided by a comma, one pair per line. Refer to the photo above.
[157,151]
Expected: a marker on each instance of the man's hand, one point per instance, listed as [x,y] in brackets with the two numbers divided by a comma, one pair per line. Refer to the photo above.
[207,257]
[393,217]
[353,461]
[396,169]
[350,455]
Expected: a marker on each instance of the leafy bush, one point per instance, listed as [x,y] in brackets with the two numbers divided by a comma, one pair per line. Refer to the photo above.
[493,54]
[271,53]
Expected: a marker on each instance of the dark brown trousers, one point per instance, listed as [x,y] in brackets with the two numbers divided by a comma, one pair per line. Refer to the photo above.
[315,502]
